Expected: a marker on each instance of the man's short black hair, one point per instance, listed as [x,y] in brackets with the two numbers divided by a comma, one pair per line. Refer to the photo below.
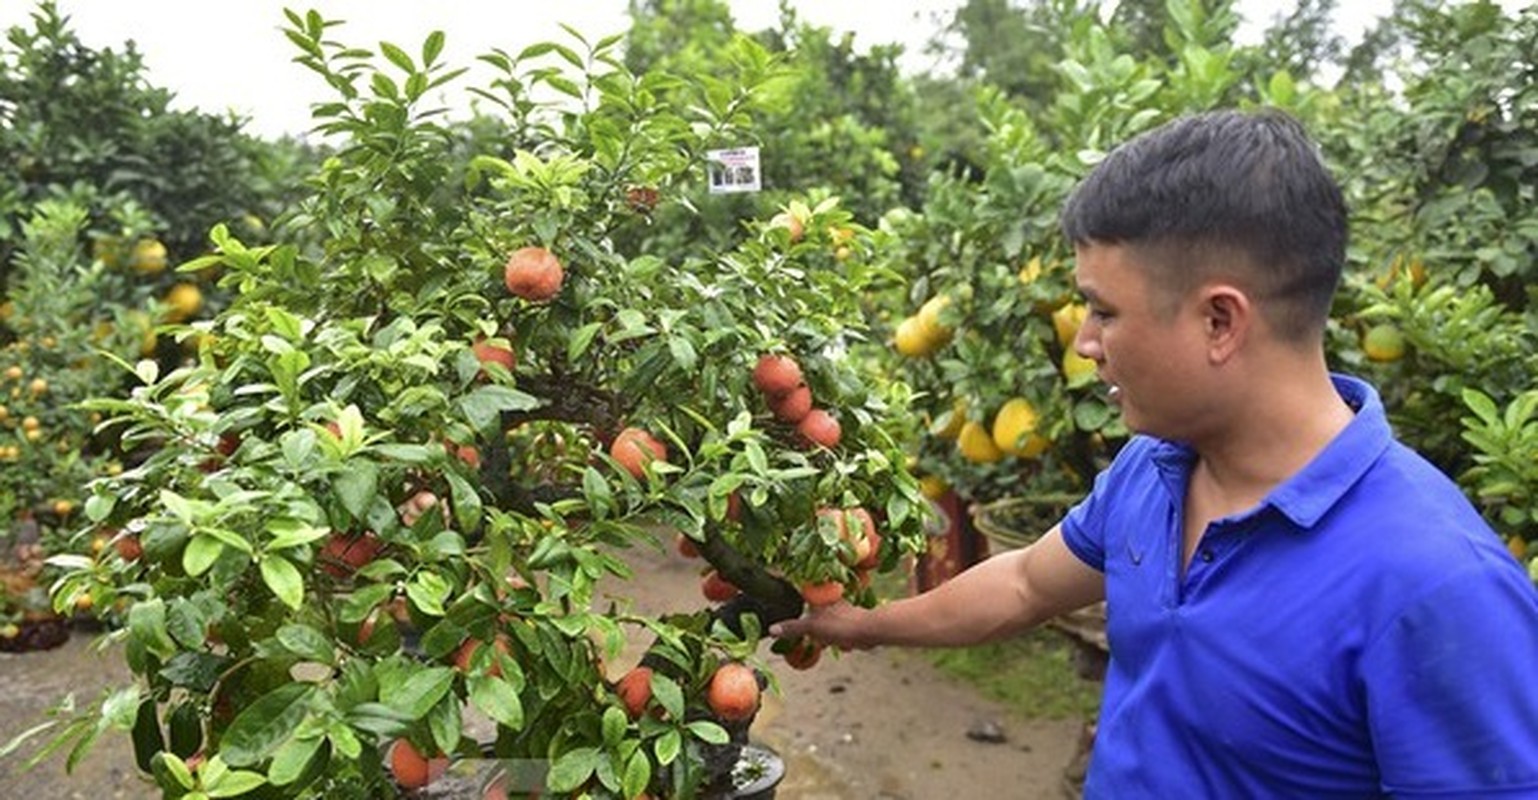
[1237,195]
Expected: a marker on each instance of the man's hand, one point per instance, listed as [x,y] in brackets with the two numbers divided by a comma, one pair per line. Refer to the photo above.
[840,625]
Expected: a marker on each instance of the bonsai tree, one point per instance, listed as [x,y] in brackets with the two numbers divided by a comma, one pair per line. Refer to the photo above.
[386,490]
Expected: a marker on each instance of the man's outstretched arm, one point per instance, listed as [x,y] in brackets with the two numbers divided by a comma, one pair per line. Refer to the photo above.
[1002,596]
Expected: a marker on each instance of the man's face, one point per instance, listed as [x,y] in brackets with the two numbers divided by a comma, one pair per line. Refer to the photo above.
[1150,348]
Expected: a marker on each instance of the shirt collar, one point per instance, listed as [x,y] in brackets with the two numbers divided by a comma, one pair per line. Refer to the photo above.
[1312,491]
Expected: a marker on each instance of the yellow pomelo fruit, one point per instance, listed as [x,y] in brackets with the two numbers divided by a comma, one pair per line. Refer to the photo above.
[149,256]
[933,487]
[976,445]
[183,302]
[1078,370]
[948,425]
[1383,342]
[1014,429]
[1031,271]
[1066,322]
[929,320]
[911,340]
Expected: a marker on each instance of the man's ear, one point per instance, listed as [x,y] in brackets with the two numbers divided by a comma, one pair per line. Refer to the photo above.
[1229,317]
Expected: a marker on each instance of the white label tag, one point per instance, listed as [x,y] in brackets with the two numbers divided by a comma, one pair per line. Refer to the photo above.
[734,170]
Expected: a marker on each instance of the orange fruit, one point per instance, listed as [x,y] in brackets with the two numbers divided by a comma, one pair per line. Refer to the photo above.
[803,654]
[820,429]
[342,555]
[822,594]
[464,656]
[635,691]
[793,406]
[634,447]
[534,274]
[128,548]
[775,375]
[733,692]
[493,354]
[718,589]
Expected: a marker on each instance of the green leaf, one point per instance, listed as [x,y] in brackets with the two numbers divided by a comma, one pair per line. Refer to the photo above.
[201,553]
[147,627]
[596,491]
[638,773]
[483,406]
[466,501]
[420,692]
[707,731]
[292,532]
[431,47]
[147,739]
[667,747]
[283,578]
[177,769]
[614,725]
[571,769]
[357,485]
[291,758]
[496,699]
[397,56]
[581,339]
[668,695]
[428,591]
[307,643]
[683,353]
[445,723]
[265,724]
[235,784]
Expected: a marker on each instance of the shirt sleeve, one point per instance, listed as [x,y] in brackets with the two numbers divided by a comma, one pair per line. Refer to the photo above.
[1084,527]
[1452,698]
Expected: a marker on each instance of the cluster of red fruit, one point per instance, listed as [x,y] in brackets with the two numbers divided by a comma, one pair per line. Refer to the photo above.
[790,399]
[732,694]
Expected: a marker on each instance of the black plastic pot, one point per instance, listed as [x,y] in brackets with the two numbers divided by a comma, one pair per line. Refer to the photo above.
[758,773]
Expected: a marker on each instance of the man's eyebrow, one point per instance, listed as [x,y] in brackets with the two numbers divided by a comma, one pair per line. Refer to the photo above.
[1088,293]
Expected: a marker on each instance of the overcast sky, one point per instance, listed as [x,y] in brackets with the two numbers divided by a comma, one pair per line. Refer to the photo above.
[219,55]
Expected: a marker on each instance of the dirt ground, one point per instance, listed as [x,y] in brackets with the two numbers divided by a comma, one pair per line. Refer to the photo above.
[881,725]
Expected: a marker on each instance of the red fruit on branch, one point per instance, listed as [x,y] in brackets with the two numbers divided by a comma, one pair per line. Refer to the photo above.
[803,654]
[687,548]
[819,429]
[822,594]
[634,447]
[128,547]
[635,691]
[493,354]
[534,274]
[342,555]
[718,589]
[793,406]
[776,375]
[733,692]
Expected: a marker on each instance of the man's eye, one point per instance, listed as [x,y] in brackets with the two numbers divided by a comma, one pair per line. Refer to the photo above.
[1099,315]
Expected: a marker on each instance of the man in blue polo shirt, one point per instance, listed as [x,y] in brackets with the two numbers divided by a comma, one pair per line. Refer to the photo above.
[1299,606]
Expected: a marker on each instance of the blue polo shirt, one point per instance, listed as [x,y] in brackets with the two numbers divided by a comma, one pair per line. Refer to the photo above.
[1361,633]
